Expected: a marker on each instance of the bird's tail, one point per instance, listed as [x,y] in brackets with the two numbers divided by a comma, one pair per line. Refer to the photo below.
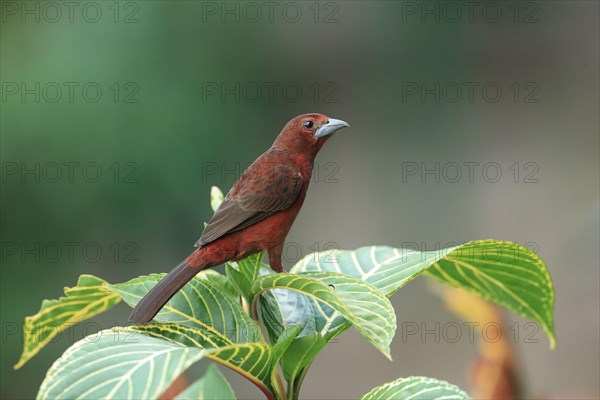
[160,294]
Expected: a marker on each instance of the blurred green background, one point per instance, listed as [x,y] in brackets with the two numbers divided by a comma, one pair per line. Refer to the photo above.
[193,91]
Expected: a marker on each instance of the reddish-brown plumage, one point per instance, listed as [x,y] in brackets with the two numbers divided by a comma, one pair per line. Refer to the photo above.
[258,211]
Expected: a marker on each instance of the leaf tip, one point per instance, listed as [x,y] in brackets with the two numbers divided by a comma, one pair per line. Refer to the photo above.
[216,197]
[386,352]
[19,364]
[552,341]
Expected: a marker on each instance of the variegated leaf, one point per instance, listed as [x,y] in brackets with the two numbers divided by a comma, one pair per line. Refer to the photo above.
[502,272]
[117,364]
[201,303]
[507,274]
[360,303]
[199,336]
[90,297]
[141,362]
[254,361]
[416,388]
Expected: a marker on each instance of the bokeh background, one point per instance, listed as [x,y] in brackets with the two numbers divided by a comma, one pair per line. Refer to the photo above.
[192,92]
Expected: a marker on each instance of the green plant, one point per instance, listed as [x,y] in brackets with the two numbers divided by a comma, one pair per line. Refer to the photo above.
[218,317]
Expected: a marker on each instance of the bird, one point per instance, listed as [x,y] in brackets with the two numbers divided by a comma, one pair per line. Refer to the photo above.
[256,214]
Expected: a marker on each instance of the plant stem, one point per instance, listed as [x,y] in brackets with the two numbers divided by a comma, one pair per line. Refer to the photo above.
[279,387]
[252,311]
[296,384]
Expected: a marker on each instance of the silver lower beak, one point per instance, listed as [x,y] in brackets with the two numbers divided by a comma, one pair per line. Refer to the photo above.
[331,126]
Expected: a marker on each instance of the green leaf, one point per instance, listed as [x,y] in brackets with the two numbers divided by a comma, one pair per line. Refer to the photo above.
[216,198]
[201,303]
[416,387]
[299,354]
[361,304]
[502,272]
[238,279]
[386,268]
[117,364]
[518,277]
[141,362]
[281,308]
[250,266]
[212,385]
[284,341]
[90,297]
[244,272]
[254,361]
[222,282]
[186,336]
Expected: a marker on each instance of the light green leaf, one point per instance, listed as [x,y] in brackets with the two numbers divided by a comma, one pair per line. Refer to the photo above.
[117,364]
[141,362]
[212,385]
[502,272]
[386,268]
[201,303]
[416,387]
[361,304]
[90,297]
[254,361]
[518,280]
[216,198]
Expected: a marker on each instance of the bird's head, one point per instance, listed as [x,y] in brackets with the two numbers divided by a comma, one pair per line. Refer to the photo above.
[306,133]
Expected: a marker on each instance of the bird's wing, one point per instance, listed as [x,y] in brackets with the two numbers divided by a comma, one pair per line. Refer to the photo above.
[259,193]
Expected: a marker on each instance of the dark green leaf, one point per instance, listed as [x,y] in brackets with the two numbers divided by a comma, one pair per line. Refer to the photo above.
[212,386]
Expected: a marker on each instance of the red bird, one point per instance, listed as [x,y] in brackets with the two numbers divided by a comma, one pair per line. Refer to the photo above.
[258,211]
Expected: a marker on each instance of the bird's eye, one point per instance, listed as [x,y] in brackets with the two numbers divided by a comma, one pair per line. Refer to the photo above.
[308,124]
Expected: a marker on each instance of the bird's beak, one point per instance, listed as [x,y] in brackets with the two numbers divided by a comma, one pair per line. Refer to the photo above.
[331,126]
